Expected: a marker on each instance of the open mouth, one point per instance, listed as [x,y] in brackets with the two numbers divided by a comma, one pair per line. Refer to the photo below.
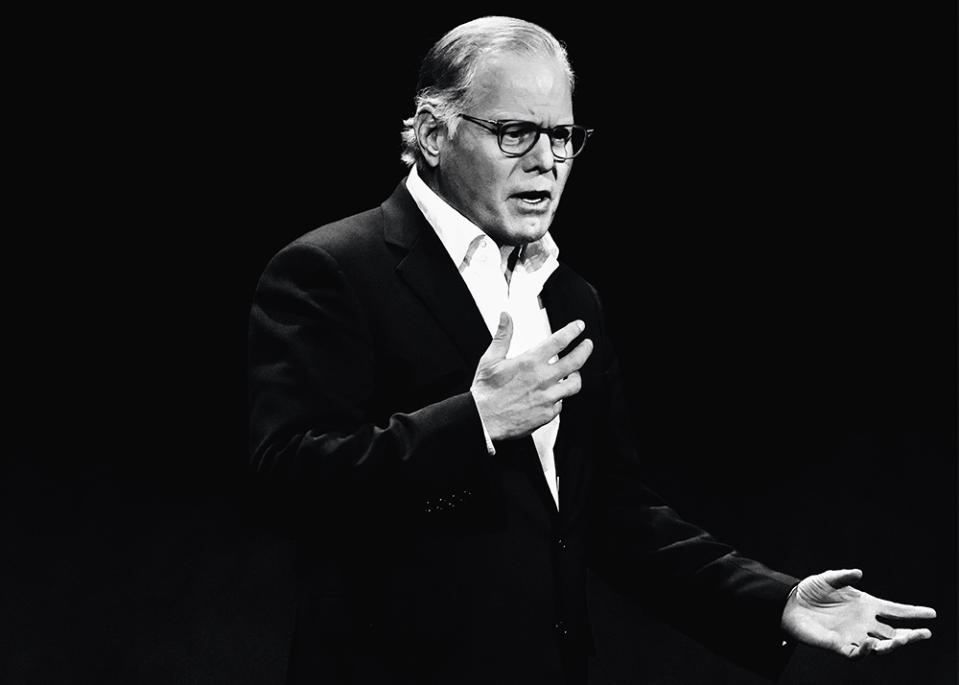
[533,197]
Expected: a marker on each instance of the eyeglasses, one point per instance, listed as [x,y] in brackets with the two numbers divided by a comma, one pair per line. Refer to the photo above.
[516,138]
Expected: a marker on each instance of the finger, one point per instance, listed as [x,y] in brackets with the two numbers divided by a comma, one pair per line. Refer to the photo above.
[902,637]
[501,339]
[867,647]
[856,650]
[570,385]
[851,650]
[889,609]
[573,361]
[560,340]
[887,646]
[913,634]
[882,631]
[842,577]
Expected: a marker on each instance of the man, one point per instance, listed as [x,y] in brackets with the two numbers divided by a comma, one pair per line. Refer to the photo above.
[440,393]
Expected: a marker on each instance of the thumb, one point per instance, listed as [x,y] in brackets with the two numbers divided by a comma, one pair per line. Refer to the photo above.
[500,345]
[843,577]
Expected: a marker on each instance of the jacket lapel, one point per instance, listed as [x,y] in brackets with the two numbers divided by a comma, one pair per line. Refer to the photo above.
[430,273]
[559,303]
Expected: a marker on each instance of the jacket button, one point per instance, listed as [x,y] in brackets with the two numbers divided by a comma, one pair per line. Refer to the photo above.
[561,543]
[560,627]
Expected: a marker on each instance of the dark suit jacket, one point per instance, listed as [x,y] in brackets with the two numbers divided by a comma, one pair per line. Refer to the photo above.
[421,558]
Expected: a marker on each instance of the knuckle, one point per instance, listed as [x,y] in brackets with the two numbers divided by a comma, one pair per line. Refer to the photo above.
[483,375]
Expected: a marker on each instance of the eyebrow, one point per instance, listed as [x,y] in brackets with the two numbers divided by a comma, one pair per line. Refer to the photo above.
[509,120]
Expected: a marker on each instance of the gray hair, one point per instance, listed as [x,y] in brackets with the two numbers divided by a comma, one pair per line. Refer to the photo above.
[449,68]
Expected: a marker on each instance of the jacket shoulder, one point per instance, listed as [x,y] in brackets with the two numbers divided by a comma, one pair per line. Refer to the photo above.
[347,237]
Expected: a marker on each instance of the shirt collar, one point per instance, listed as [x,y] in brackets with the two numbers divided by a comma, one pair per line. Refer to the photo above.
[459,235]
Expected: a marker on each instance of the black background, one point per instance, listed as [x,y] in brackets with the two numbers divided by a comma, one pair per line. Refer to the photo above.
[768,208]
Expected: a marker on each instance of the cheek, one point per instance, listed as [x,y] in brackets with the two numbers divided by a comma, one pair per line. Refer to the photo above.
[491,185]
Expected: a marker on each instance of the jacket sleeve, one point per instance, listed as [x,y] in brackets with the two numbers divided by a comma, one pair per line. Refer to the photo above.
[645,549]
[312,397]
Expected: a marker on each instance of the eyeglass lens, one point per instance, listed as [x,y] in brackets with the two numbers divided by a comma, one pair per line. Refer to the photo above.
[565,141]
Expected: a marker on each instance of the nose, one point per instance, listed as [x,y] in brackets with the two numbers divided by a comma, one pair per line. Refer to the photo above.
[540,158]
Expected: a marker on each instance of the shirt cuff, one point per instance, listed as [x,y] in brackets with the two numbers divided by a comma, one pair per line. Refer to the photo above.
[489,441]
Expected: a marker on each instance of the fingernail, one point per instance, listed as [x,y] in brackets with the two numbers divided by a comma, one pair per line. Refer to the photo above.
[582,326]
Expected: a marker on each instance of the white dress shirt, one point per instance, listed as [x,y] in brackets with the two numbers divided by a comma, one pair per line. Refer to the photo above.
[483,266]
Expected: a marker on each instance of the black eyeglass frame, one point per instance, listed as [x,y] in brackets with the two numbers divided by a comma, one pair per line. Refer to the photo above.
[497,126]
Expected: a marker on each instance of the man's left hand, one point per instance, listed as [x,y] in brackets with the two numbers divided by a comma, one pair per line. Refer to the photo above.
[824,610]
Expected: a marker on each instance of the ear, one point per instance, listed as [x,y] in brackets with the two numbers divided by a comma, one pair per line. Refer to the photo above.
[430,135]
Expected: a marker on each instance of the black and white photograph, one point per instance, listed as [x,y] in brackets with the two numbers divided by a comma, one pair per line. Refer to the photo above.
[470,345]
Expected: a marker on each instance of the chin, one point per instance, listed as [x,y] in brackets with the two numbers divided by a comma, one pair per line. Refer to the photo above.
[528,231]
[517,230]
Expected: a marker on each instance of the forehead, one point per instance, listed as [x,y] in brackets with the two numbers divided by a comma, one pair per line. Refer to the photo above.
[514,86]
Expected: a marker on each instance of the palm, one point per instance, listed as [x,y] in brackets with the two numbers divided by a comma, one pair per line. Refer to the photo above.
[826,611]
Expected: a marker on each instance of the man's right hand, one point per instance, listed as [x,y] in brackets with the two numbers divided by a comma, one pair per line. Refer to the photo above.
[516,396]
